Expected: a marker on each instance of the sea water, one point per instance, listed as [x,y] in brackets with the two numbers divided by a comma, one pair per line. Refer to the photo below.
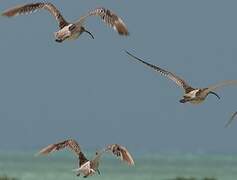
[59,166]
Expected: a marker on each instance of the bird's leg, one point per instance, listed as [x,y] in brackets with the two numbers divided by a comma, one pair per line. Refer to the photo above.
[78,174]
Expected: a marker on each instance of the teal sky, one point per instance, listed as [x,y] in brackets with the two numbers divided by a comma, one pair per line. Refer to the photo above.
[92,91]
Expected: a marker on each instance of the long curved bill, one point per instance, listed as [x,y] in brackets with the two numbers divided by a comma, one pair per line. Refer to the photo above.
[88,32]
[212,92]
[210,89]
[221,84]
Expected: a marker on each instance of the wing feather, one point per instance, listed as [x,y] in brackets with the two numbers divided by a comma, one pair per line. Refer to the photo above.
[231,119]
[221,84]
[29,8]
[121,152]
[109,18]
[70,144]
[180,82]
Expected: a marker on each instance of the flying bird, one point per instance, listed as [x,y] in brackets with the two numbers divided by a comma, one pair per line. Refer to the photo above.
[85,166]
[192,95]
[231,119]
[69,30]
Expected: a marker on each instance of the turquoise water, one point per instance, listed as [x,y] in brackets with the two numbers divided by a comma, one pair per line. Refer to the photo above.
[26,166]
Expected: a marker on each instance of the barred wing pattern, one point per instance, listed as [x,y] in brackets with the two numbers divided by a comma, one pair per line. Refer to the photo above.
[180,82]
[109,18]
[29,8]
[70,143]
[121,152]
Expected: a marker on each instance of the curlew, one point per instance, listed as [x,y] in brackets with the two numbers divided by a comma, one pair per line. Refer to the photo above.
[192,95]
[85,166]
[231,119]
[67,30]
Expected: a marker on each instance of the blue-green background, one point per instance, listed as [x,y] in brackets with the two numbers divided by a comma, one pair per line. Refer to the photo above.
[92,91]
[150,166]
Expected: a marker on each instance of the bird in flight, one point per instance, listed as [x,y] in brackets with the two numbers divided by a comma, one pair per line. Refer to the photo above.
[192,95]
[85,166]
[231,119]
[69,30]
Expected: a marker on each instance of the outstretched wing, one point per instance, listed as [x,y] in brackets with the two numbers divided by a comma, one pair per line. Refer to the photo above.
[121,152]
[70,143]
[221,84]
[29,8]
[109,18]
[210,89]
[231,119]
[180,82]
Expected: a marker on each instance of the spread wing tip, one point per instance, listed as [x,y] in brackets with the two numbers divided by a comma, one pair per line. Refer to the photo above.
[123,33]
[46,150]
[122,153]
[121,28]
[109,18]
[128,158]
[7,14]
[127,52]
[231,119]
[14,11]
[130,161]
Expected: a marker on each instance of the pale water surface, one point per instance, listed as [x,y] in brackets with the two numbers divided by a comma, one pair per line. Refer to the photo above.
[59,166]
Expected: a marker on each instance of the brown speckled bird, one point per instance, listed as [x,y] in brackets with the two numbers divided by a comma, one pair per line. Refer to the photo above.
[192,95]
[70,30]
[85,166]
